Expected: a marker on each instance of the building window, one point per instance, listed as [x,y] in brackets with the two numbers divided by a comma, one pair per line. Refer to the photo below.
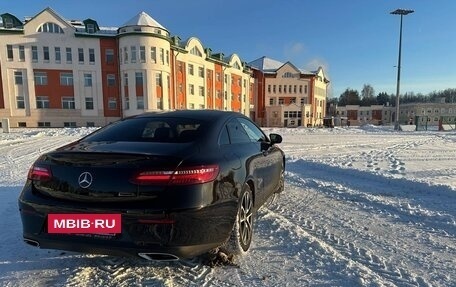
[167,57]
[142,54]
[20,102]
[111,79]
[109,57]
[125,55]
[81,55]
[280,88]
[153,54]
[140,103]
[9,51]
[21,53]
[44,124]
[305,89]
[158,79]
[90,124]
[271,101]
[127,103]
[133,54]
[139,78]
[46,54]
[281,101]
[8,24]
[126,80]
[191,89]
[162,56]
[68,103]
[34,54]
[69,56]
[201,91]
[66,79]
[58,56]
[90,28]
[18,78]
[302,101]
[195,51]
[190,69]
[92,56]
[42,102]
[269,88]
[112,103]
[40,78]
[50,28]
[87,80]
[192,106]
[22,124]
[89,103]
[201,72]
[69,124]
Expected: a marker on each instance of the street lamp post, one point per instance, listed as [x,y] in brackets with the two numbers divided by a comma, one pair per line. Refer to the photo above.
[401,12]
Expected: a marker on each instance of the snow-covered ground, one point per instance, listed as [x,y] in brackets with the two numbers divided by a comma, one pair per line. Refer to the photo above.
[361,207]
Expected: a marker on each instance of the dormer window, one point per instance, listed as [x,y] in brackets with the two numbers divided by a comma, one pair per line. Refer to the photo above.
[8,23]
[90,28]
[50,27]
[236,65]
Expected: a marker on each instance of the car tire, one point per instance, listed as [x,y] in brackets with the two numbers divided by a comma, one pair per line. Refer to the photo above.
[242,232]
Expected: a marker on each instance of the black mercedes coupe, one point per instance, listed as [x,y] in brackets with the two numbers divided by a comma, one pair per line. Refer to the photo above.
[162,186]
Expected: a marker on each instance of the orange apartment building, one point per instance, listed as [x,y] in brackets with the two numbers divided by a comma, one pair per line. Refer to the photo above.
[287,96]
[60,73]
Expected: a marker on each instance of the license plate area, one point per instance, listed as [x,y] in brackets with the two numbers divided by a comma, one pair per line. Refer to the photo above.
[93,225]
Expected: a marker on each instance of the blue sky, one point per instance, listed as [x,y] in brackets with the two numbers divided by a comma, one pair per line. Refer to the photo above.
[356,41]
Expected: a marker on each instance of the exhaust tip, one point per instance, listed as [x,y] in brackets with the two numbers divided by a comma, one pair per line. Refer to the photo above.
[158,256]
[32,242]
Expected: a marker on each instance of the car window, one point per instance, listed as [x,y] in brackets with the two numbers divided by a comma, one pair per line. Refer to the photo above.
[254,133]
[224,138]
[166,130]
[236,132]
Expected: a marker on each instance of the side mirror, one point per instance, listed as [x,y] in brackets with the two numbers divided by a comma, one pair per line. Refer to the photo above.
[275,138]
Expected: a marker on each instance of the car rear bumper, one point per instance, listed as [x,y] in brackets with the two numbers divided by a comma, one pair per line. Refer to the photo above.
[176,233]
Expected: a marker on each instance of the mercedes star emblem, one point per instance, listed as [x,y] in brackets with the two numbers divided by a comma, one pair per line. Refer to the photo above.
[85,179]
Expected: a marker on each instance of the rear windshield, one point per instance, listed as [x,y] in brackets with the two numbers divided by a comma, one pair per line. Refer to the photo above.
[165,130]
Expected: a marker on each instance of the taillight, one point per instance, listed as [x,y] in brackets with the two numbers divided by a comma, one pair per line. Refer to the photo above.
[39,173]
[181,176]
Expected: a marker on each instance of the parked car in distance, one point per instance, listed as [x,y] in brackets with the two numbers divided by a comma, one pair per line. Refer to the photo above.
[162,186]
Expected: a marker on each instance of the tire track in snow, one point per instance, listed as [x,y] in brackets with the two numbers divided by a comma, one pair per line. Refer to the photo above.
[19,155]
[344,189]
[118,271]
[371,268]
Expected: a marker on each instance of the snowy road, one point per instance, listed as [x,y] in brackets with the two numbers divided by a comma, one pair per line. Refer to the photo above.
[361,207]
